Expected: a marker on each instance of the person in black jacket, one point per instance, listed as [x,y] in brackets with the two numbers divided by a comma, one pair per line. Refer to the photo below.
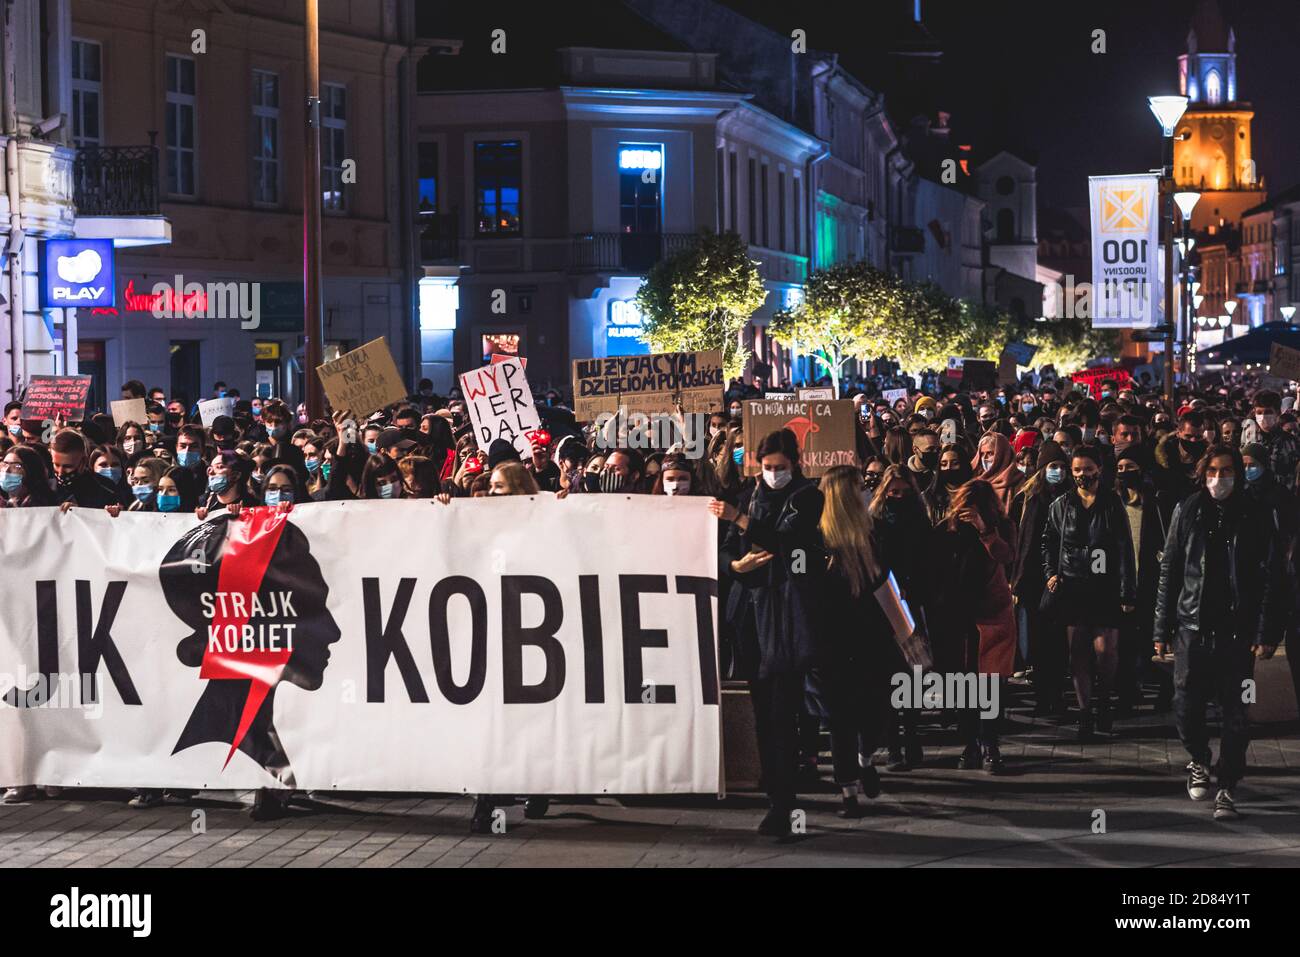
[1218,603]
[1088,564]
[861,653]
[772,521]
[75,484]
[1148,527]
[1044,644]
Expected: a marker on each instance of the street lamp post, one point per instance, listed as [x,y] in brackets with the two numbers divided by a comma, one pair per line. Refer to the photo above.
[1186,201]
[313,315]
[1168,110]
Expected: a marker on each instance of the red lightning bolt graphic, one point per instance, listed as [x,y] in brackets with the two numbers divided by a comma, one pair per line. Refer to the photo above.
[251,543]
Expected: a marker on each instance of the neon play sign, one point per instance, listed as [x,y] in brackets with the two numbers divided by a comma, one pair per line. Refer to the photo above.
[78,272]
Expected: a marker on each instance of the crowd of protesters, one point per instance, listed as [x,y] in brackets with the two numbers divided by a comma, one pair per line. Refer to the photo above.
[1089,555]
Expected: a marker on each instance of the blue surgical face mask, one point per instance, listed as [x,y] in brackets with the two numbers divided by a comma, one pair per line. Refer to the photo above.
[277,496]
[142,492]
[15,430]
[372,448]
[1054,474]
[169,503]
[218,483]
[113,474]
[1254,473]
[187,458]
[312,465]
[390,490]
[738,455]
[155,426]
[10,482]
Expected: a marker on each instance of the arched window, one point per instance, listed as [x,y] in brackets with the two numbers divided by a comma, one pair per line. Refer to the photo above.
[1006,226]
[1213,87]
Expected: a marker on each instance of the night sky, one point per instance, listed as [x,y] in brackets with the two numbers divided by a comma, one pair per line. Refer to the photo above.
[1019,74]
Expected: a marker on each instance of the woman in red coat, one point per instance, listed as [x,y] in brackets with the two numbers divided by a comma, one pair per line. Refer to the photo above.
[975,629]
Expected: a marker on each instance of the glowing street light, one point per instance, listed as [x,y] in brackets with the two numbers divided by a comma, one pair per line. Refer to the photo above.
[1186,199]
[1168,110]
[1287,312]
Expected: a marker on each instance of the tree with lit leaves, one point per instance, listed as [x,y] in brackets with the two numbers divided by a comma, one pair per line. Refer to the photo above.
[701,298]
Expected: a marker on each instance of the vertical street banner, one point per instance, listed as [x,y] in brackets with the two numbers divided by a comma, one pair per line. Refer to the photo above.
[1126,278]
[500,404]
[390,646]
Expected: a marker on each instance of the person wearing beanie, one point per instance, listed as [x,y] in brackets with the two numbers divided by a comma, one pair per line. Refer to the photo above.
[1042,640]
[926,406]
[501,451]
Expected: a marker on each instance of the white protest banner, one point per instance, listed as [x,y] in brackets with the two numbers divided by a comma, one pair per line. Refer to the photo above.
[500,404]
[893,395]
[809,393]
[210,409]
[392,646]
[1126,278]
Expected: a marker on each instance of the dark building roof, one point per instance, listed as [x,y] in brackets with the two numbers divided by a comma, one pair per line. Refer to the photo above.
[1281,199]
[534,32]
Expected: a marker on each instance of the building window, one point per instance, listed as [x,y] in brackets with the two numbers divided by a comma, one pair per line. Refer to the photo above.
[498,179]
[640,187]
[763,199]
[721,188]
[1213,87]
[753,202]
[333,144]
[796,201]
[182,125]
[427,174]
[87,78]
[731,189]
[1006,226]
[266,137]
[780,210]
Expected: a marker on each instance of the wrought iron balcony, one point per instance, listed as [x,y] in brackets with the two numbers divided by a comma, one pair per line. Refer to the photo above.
[439,236]
[116,181]
[625,252]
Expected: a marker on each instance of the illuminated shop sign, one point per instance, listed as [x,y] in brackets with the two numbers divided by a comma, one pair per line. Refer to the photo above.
[623,334]
[78,272]
[640,157]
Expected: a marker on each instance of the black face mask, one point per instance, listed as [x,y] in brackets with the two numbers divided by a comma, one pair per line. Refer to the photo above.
[930,461]
[1193,447]
[1129,480]
[611,481]
[871,480]
[1086,482]
[591,482]
[952,478]
[173,417]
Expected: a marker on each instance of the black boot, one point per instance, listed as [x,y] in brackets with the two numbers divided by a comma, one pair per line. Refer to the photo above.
[536,807]
[993,760]
[776,823]
[269,805]
[480,821]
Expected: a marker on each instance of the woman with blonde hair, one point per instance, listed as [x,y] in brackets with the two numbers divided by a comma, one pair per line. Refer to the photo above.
[511,478]
[861,653]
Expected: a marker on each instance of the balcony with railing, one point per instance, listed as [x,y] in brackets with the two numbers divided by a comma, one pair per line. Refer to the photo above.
[439,236]
[625,252]
[116,181]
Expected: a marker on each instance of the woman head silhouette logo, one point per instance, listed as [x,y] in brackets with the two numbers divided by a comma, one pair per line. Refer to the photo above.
[255,597]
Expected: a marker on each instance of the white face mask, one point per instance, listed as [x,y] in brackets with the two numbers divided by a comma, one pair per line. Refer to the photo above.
[986,462]
[1266,420]
[777,478]
[1219,488]
[676,487]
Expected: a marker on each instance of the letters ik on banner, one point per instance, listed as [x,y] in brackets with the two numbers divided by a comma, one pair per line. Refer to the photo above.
[500,404]
[824,431]
[363,380]
[48,396]
[649,384]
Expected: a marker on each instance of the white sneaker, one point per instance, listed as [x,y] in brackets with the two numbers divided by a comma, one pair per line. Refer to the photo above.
[1198,781]
[1225,809]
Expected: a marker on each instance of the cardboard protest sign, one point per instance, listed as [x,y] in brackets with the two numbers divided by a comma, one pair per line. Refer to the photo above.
[127,410]
[779,395]
[824,430]
[363,380]
[820,392]
[49,396]
[893,395]
[210,409]
[500,404]
[1284,362]
[650,384]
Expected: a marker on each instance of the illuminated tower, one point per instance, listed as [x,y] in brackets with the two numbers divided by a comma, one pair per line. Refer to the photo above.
[1212,142]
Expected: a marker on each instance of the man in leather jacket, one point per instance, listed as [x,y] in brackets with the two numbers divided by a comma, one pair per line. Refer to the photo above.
[1218,604]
